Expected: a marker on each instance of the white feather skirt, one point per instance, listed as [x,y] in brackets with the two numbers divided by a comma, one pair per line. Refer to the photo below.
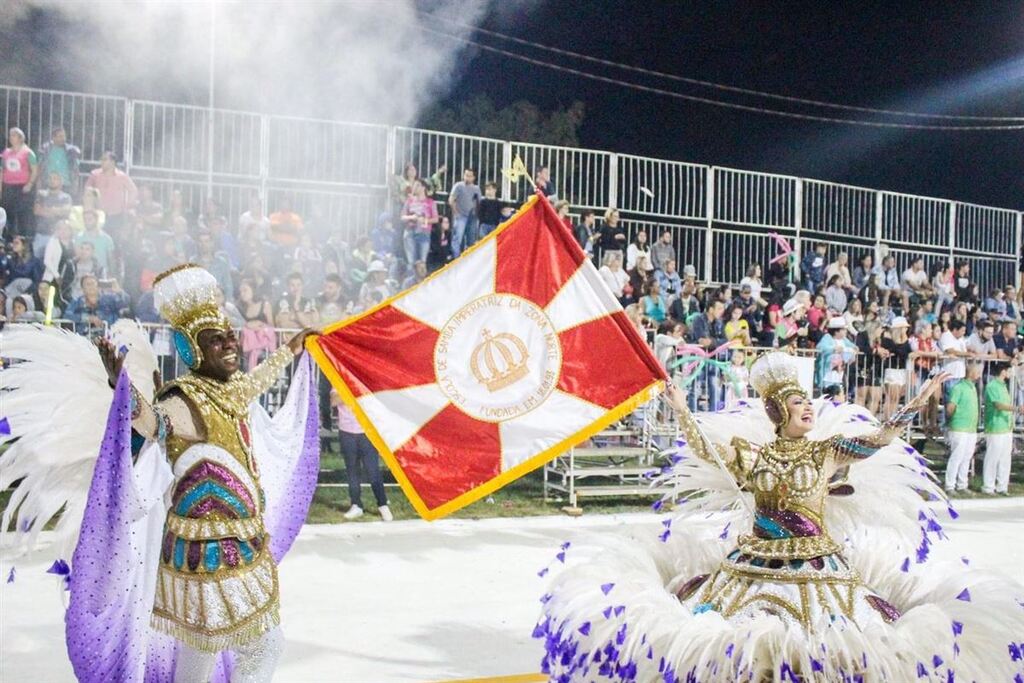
[618,616]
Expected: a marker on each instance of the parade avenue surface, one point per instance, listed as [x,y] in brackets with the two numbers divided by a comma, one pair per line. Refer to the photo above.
[415,601]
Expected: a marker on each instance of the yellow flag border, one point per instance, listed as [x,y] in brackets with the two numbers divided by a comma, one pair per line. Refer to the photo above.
[474,494]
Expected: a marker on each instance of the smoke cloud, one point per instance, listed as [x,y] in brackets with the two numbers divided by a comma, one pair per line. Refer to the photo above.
[357,61]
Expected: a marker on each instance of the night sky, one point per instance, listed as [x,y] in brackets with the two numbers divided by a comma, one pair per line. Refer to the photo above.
[964,57]
[867,54]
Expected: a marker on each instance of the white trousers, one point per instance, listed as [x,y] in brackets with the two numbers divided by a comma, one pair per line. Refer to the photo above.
[961,451]
[254,663]
[996,471]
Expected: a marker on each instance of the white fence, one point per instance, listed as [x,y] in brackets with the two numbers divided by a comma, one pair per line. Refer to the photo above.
[340,173]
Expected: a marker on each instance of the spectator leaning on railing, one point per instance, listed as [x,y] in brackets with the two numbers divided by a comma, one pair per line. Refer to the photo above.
[463,200]
[18,174]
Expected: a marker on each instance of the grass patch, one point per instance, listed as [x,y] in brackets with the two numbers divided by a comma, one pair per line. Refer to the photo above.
[522,498]
[525,497]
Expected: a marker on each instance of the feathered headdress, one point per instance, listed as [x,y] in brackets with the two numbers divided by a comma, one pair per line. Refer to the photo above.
[775,377]
[186,296]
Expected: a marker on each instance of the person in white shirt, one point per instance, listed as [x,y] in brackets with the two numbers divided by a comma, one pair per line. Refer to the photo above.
[613,274]
[637,248]
[841,268]
[254,221]
[954,346]
[915,280]
[753,280]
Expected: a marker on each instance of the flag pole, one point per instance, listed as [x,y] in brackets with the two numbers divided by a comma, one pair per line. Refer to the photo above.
[49,304]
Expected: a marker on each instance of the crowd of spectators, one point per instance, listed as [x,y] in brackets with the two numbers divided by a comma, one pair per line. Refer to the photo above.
[875,331]
[88,252]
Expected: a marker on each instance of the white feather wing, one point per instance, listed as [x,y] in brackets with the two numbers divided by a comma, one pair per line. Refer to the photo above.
[55,398]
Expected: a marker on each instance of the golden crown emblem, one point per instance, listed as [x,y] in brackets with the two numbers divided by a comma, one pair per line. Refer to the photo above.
[499,360]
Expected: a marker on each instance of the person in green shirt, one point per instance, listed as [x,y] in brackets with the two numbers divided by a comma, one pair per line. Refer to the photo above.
[962,428]
[999,413]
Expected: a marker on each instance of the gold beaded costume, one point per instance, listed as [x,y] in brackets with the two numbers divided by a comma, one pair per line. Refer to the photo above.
[217,586]
[799,560]
[175,504]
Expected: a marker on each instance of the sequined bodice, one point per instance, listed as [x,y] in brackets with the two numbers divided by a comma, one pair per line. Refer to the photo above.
[225,417]
[789,480]
[788,474]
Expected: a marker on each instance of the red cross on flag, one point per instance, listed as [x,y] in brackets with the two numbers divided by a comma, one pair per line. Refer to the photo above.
[490,367]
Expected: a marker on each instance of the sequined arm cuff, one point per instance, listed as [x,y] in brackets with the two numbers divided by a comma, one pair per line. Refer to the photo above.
[691,432]
[860,447]
[700,447]
[149,420]
[264,375]
[145,420]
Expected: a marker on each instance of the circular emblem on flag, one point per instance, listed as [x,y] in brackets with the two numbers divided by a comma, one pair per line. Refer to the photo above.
[498,357]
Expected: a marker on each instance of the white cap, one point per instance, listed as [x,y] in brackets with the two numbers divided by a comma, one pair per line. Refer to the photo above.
[837,323]
[791,306]
[689,271]
[377,267]
[899,321]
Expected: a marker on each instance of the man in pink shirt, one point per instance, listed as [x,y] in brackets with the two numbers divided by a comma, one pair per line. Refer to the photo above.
[17,182]
[118,194]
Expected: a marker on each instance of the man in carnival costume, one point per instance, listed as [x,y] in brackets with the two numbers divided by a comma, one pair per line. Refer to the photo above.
[195,496]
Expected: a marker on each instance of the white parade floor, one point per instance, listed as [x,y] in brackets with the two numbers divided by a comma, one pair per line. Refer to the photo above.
[417,601]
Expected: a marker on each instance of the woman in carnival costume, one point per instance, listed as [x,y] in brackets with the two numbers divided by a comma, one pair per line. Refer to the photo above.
[827,582]
[195,496]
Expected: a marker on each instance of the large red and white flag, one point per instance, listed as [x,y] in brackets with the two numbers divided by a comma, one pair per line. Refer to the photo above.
[492,366]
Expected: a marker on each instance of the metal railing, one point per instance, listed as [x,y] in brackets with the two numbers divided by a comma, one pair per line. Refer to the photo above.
[340,171]
[882,387]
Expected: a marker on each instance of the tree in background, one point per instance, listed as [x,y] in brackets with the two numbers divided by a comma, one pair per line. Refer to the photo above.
[520,121]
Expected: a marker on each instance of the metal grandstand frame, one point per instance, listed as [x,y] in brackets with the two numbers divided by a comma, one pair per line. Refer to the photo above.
[719,217]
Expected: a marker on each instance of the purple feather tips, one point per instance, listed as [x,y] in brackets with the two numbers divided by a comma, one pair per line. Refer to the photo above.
[60,568]
[619,609]
[936,661]
[122,349]
[1015,652]
[663,536]
[905,567]
[729,650]
[921,670]
[725,532]
[607,612]
[953,514]
[5,427]
[543,572]
[965,595]
[958,628]
[10,576]
[584,628]
[816,665]
[666,523]
[607,588]
[786,673]
[565,546]
[560,557]
[656,505]
[966,561]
